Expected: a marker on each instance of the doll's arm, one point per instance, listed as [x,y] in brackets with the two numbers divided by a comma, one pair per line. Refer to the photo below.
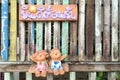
[63,56]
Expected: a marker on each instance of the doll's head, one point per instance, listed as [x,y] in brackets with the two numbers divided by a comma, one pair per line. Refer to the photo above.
[39,56]
[55,53]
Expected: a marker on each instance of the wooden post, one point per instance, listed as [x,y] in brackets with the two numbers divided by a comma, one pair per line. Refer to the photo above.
[81,30]
[30,42]
[4,34]
[89,29]
[30,35]
[22,36]
[73,42]
[39,32]
[65,33]
[106,31]
[48,38]
[114,35]
[13,30]
[56,38]
[4,30]
[98,32]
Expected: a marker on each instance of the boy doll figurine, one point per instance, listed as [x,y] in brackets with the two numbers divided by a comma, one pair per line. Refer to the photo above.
[55,62]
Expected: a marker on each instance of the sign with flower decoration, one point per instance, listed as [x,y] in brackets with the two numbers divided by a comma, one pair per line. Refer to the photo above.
[48,12]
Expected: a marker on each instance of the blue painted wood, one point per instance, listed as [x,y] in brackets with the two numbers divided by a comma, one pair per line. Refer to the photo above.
[4,39]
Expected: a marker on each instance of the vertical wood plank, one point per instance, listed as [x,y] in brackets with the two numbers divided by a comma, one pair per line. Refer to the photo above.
[73,42]
[89,29]
[4,34]
[119,28]
[106,31]
[114,38]
[4,30]
[48,31]
[65,34]
[98,36]
[81,30]
[22,36]
[30,35]
[56,38]
[7,76]
[114,30]
[13,30]
[30,42]
[90,34]
[48,38]
[39,32]
[98,29]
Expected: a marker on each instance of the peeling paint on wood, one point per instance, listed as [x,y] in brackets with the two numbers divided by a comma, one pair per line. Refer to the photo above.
[4,30]
[13,30]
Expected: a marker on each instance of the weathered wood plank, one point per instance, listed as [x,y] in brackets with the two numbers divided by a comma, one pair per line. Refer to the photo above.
[119,29]
[4,30]
[114,38]
[89,29]
[30,35]
[73,43]
[22,36]
[48,38]
[56,38]
[98,29]
[114,30]
[81,30]
[39,32]
[13,30]
[106,31]
[30,42]
[73,67]
[65,34]
[4,34]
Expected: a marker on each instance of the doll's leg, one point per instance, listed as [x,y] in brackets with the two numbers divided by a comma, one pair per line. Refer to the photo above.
[66,67]
[61,71]
[43,73]
[56,72]
[37,73]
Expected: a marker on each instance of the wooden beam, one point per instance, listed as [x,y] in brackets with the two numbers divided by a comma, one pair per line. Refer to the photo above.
[73,67]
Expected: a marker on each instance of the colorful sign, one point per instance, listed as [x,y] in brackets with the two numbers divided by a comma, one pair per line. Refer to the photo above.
[48,12]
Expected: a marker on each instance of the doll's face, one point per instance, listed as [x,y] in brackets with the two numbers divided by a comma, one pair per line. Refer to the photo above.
[55,54]
[41,56]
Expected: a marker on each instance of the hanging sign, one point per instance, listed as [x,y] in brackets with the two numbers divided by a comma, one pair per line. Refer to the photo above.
[48,12]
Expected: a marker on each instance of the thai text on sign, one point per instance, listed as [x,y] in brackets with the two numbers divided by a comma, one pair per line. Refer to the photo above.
[47,12]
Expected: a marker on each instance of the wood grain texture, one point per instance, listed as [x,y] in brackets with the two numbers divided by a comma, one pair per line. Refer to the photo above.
[4,30]
[89,29]
[73,43]
[98,30]
[114,38]
[114,30]
[30,42]
[81,30]
[22,36]
[48,38]
[119,28]
[31,26]
[56,38]
[73,67]
[39,32]
[13,30]
[106,31]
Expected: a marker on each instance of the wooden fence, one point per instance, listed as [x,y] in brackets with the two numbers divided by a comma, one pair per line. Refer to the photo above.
[92,42]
